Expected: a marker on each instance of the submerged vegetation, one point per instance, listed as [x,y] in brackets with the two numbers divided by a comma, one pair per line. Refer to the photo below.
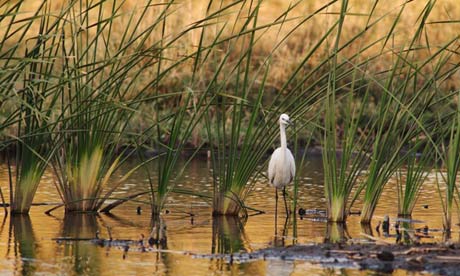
[86,84]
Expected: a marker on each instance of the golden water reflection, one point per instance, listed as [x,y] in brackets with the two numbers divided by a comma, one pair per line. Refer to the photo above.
[27,244]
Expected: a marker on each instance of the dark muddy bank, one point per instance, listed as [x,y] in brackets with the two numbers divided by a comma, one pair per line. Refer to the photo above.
[443,259]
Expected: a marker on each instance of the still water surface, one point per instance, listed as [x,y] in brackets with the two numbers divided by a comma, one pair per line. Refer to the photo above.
[28,245]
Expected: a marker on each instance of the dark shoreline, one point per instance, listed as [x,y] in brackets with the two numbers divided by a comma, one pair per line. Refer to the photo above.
[436,258]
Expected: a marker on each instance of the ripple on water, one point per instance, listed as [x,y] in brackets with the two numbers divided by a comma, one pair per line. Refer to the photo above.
[31,239]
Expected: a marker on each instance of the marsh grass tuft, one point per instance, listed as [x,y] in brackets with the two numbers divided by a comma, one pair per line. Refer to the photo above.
[34,99]
[97,94]
[411,177]
[450,148]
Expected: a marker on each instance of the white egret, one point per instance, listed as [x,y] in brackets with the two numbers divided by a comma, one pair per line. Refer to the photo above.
[281,168]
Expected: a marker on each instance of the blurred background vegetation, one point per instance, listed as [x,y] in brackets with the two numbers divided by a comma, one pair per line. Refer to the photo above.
[286,32]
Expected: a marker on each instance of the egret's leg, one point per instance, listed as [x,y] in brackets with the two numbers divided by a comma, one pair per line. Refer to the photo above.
[285,228]
[285,202]
[276,209]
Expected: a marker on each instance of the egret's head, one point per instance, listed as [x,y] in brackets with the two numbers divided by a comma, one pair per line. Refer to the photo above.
[284,120]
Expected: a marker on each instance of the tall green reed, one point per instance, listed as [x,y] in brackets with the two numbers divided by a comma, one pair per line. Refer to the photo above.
[98,104]
[99,95]
[346,82]
[184,119]
[233,167]
[451,161]
[192,105]
[341,170]
[401,119]
[410,178]
[243,128]
[393,129]
[33,96]
[407,96]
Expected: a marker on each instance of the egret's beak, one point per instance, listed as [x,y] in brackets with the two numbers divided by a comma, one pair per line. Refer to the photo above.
[289,122]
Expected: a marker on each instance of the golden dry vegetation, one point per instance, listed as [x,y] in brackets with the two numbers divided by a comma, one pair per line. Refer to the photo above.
[298,31]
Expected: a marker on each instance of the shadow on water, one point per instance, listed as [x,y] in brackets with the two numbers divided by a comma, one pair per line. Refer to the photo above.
[83,255]
[24,243]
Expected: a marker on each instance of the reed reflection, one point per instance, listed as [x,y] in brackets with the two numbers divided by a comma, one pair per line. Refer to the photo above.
[366,228]
[85,256]
[228,235]
[447,235]
[24,243]
[158,240]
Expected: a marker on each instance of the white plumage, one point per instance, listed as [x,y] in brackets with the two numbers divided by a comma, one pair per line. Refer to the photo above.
[281,168]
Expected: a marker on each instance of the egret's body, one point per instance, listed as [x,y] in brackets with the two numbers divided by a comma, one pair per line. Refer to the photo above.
[281,168]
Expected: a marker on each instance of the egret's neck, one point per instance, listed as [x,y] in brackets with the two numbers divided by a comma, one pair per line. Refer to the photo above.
[283,136]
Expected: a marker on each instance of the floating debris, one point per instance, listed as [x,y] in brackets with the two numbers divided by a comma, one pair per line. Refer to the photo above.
[409,220]
[425,230]
[386,256]
[301,212]
[386,225]
[313,214]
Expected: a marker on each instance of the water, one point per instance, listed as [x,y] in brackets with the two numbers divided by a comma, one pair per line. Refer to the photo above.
[28,245]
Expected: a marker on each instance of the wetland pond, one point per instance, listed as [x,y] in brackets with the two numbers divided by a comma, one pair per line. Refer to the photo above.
[28,244]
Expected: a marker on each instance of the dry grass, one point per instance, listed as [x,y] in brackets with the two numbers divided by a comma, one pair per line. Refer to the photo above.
[286,57]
